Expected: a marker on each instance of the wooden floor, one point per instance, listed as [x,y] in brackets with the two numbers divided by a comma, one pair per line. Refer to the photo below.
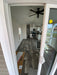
[29,44]
[30,66]
[32,56]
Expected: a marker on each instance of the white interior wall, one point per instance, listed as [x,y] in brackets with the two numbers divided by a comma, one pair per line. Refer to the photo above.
[16,25]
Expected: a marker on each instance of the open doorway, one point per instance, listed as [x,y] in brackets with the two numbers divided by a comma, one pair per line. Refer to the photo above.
[27,22]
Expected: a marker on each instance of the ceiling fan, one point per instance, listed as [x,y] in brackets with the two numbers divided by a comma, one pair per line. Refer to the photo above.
[37,12]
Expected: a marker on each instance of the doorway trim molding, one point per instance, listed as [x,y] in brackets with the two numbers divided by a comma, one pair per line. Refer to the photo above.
[5,41]
[43,38]
[27,4]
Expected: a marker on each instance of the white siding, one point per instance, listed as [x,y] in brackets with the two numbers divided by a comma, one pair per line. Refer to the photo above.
[3,68]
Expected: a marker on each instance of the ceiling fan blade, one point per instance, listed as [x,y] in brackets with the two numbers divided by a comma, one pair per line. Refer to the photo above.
[42,13]
[32,10]
[42,10]
[32,15]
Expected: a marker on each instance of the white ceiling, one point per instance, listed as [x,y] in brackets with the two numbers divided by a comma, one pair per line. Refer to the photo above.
[31,1]
[21,14]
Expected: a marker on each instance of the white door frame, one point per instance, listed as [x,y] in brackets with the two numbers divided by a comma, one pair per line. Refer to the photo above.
[43,38]
[8,50]
[7,39]
[45,23]
[54,67]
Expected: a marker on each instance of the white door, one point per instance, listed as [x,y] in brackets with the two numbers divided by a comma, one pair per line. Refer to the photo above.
[48,58]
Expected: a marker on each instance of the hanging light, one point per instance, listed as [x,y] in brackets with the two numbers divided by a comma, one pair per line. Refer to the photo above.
[50,21]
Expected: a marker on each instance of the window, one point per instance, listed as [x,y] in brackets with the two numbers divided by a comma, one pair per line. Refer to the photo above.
[49,33]
[19,32]
[55,31]
[54,35]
